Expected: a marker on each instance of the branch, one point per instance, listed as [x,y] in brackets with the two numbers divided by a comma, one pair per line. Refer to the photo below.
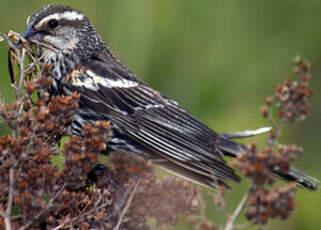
[231,222]
[49,205]
[127,205]
[86,214]
[9,204]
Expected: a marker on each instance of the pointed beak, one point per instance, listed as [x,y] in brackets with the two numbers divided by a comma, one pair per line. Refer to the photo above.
[29,32]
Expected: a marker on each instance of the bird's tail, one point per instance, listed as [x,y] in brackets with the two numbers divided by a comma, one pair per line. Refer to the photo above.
[302,179]
[232,148]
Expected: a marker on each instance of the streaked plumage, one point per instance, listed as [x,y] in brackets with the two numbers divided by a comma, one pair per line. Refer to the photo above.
[144,121]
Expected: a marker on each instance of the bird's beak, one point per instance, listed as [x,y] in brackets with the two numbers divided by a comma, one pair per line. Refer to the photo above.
[29,32]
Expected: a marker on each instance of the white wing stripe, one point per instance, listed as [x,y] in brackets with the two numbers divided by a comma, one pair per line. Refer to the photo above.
[93,81]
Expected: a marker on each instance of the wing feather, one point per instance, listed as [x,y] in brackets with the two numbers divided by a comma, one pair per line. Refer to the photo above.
[157,123]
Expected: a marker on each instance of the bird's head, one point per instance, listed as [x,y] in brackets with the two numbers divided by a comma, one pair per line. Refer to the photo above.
[63,29]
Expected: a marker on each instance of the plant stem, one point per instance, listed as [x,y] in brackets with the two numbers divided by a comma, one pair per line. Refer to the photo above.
[231,222]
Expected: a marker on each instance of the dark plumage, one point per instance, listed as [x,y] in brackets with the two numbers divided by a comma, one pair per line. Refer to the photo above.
[144,122]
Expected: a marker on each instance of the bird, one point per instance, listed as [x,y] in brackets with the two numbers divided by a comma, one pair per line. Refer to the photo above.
[144,122]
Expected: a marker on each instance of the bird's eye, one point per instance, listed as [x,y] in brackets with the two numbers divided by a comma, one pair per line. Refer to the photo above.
[53,23]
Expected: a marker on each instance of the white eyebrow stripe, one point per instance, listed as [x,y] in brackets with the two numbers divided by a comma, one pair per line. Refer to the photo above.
[68,15]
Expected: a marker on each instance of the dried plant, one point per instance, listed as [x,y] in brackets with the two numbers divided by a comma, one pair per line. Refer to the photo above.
[263,201]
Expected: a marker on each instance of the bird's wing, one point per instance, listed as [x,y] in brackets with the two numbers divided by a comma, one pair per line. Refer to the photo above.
[151,119]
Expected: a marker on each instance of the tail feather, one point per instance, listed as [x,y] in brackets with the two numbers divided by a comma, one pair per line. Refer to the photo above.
[299,177]
[233,149]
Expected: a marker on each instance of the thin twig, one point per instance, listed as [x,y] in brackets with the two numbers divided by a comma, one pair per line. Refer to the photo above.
[48,206]
[62,225]
[127,205]
[9,41]
[21,64]
[7,219]
[90,212]
[272,141]
[231,222]
[47,46]
[21,81]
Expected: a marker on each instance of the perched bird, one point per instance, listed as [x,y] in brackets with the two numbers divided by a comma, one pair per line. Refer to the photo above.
[144,122]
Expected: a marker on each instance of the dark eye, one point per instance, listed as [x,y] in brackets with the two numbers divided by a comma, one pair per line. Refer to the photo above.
[53,23]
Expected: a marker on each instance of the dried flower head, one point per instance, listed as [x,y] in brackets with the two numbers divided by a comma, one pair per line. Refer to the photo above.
[163,199]
[259,165]
[265,204]
[291,98]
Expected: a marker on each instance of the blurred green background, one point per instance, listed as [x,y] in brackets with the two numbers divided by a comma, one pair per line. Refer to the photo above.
[217,58]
